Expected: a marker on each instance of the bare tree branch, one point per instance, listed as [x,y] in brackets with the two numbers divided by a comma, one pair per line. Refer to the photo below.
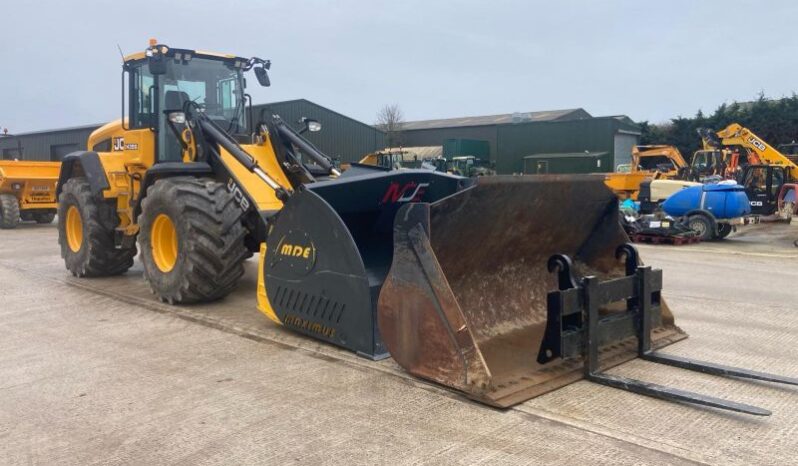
[390,119]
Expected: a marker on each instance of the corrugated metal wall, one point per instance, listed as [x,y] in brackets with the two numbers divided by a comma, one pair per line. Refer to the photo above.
[510,143]
[457,147]
[437,136]
[561,163]
[46,145]
[518,141]
[340,136]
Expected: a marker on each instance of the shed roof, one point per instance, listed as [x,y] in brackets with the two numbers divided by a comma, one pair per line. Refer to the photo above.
[505,118]
[422,152]
[56,130]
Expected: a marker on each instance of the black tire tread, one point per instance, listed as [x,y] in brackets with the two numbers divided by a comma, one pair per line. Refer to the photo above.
[214,236]
[102,258]
[9,211]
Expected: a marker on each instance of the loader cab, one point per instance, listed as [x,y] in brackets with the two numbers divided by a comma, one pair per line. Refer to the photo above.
[762,186]
[171,80]
[706,163]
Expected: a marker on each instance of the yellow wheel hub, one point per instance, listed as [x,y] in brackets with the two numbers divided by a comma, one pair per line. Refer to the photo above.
[74,229]
[163,240]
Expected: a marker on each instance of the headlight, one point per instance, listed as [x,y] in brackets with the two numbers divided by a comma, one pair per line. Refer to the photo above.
[178,118]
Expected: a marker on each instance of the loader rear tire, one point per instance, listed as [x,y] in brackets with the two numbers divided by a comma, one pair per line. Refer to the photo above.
[191,240]
[44,219]
[86,233]
[9,212]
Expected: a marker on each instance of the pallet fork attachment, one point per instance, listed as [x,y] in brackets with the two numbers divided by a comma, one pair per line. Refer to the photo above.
[575,329]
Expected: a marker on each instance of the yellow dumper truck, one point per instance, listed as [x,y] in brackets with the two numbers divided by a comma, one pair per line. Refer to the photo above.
[27,192]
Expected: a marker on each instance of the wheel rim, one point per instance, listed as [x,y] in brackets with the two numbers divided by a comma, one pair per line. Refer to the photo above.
[163,238]
[74,229]
[698,227]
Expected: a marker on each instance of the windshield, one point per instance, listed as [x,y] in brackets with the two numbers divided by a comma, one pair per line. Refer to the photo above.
[213,85]
[656,162]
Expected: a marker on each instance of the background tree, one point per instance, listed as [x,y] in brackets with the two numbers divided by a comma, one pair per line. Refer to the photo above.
[774,120]
[390,119]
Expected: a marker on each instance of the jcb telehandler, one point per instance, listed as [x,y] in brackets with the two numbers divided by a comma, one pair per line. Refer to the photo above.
[770,178]
[501,287]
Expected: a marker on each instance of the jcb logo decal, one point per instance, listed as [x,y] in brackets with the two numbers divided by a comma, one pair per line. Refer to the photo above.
[119,145]
[409,192]
[294,250]
[238,195]
[757,143]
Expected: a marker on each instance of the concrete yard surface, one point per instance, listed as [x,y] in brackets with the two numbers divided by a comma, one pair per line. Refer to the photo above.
[96,371]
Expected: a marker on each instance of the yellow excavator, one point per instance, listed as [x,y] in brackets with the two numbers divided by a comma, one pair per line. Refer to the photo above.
[501,288]
[656,162]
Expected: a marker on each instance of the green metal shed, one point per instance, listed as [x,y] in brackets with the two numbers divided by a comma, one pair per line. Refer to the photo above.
[479,148]
[573,162]
[341,137]
[512,137]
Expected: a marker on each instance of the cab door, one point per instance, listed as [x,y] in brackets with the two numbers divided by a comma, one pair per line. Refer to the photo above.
[762,184]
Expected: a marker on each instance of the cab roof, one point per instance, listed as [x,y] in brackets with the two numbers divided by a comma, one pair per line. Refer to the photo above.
[197,53]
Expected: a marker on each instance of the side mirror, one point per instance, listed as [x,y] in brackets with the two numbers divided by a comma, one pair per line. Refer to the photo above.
[263,76]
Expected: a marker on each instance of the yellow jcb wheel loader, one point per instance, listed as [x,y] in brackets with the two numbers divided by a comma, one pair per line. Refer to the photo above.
[499,287]
[181,174]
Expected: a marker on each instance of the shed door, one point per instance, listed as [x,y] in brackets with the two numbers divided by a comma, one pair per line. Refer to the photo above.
[542,167]
[623,149]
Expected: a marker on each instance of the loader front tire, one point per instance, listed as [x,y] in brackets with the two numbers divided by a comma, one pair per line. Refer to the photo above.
[191,240]
[9,212]
[86,233]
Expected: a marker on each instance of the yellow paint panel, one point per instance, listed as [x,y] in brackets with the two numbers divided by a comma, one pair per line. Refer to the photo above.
[263,196]
[264,305]
[32,183]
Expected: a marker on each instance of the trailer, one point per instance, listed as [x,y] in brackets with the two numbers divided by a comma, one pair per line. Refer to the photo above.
[713,211]
[27,192]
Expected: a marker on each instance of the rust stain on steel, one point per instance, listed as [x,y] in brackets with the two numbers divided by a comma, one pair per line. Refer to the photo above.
[464,303]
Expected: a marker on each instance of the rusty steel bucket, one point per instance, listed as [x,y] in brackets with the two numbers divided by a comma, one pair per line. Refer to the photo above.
[464,303]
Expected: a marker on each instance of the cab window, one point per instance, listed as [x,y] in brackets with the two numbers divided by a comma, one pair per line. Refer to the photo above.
[142,107]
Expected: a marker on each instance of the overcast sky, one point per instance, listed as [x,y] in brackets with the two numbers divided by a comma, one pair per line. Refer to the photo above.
[650,60]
